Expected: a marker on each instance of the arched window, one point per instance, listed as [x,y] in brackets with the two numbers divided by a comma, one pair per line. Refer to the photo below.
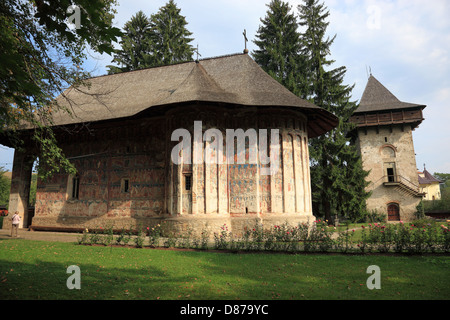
[388,152]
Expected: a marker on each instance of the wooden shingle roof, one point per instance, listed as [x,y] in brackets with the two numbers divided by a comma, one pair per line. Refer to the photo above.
[377,98]
[235,80]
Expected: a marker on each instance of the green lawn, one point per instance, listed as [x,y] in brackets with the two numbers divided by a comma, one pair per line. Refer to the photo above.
[37,270]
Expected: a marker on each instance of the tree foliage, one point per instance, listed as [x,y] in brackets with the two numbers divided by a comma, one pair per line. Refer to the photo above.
[170,36]
[336,164]
[160,39]
[41,56]
[444,177]
[278,42]
[136,49]
[295,52]
[5,186]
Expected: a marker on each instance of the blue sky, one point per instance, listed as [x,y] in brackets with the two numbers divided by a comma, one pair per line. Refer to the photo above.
[406,44]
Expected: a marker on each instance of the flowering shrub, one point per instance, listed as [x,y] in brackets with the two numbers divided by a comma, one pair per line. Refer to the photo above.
[154,234]
[221,238]
[401,238]
[139,239]
[124,237]
[170,240]
[107,237]
[318,237]
[418,237]
[94,237]
[84,239]
[343,243]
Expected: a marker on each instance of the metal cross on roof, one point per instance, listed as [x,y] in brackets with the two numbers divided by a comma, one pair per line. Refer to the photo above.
[198,54]
[245,40]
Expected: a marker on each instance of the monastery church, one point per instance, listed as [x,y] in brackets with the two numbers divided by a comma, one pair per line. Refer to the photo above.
[120,138]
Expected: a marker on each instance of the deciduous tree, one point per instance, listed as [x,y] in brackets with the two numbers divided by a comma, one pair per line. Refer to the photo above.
[41,56]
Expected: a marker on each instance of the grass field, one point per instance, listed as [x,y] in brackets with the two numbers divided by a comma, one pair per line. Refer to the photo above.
[38,270]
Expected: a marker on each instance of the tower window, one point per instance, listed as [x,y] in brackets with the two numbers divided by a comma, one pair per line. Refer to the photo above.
[390,174]
[385,139]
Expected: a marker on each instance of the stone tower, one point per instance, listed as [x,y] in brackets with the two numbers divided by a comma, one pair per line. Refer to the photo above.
[384,137]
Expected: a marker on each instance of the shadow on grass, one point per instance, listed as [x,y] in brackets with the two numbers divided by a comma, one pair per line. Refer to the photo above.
[38,270]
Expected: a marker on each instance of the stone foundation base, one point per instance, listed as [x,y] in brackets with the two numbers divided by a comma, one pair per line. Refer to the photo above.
[176,225]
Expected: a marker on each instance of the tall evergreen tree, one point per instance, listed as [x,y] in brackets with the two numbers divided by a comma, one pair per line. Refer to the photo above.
[135,52]
[160,39]
[278,44]
[336,169]
[170,36]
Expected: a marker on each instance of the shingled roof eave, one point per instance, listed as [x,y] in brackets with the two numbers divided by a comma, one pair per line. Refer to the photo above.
[319,120]
[377,98]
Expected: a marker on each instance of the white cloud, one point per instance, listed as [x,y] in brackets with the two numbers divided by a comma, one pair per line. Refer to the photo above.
[405,42]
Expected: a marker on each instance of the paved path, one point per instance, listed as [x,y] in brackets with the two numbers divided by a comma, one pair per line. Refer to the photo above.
[41,235]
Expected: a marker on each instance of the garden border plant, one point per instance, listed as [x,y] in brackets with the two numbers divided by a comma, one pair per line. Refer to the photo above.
[419,237]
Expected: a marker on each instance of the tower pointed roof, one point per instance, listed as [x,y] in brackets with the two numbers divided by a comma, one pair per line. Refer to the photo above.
[377,97]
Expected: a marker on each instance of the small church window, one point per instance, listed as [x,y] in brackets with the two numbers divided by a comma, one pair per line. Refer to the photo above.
[188,182]
[75,187]
[126,185]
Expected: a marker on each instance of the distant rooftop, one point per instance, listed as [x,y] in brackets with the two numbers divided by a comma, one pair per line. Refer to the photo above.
[427,178]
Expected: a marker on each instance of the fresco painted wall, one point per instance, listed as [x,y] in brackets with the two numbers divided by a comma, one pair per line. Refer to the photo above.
[138,153]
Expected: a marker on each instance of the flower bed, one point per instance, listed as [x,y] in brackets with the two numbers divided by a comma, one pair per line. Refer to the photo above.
[400,238]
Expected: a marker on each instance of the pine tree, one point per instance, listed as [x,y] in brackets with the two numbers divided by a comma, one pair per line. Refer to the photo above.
[135,52]
[170,37]
[279,46]
[160,39]
[336,171]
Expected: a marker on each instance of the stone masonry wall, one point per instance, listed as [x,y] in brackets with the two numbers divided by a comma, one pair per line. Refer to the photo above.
[386,147]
